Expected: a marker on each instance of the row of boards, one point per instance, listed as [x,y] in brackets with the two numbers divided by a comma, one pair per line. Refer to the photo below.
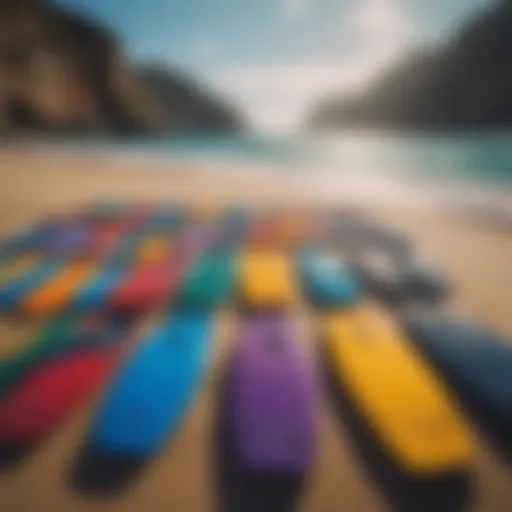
[272,382]
[265,278]
[151,382]
[134,257]
[89,235]
[153,375]
[387,377]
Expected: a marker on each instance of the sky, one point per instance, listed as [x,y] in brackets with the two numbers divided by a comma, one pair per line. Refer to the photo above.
[276,58]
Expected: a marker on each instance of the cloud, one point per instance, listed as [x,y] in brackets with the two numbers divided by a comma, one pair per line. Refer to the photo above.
[383,26]
[279,96]
[292,78]
[295,10]
[381,17]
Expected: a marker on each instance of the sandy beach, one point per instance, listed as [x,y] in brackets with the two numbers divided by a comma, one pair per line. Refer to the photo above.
[476,256]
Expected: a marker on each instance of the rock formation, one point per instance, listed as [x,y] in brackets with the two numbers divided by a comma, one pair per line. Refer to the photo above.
[464,84]
[61,72]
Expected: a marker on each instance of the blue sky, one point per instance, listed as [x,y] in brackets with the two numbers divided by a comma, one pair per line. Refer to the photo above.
[277,57]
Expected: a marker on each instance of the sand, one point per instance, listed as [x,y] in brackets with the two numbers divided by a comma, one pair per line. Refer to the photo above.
[477,256]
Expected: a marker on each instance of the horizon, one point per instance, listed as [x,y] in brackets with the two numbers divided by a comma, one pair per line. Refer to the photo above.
[275,59]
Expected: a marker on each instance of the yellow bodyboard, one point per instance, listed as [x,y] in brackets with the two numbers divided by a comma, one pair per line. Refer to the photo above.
[396,392]
[267,279]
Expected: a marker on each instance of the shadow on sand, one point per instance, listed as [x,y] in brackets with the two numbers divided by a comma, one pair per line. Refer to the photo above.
[403,493]
[97,474]
[11,455]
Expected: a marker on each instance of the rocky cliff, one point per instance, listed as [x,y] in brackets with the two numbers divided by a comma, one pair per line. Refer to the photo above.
[465,84]
[185,102]
[61,72]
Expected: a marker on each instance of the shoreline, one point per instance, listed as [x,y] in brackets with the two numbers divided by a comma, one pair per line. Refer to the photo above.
[487,204]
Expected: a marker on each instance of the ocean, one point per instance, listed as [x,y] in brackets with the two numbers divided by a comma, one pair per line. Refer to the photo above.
[469,172]
[478,159]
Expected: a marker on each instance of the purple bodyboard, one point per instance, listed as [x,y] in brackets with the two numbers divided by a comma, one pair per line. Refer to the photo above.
[272,398]
[69,239]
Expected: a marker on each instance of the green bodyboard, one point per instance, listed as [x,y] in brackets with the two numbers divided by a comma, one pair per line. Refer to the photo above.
[210,281]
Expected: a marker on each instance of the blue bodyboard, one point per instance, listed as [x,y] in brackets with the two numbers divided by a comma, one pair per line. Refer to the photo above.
[327,281]
[152,392]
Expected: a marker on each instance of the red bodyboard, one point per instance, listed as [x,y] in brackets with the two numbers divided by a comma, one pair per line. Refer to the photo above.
[147,286]
[49,394]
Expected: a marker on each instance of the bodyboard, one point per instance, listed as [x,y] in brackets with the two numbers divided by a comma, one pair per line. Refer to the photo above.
[154,389]
[399,396]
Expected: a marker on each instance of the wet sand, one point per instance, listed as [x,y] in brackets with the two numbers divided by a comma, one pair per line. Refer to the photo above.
[476,256]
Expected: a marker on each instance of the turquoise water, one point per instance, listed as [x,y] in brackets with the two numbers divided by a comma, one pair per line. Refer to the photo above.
[485,159]
[469,158]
